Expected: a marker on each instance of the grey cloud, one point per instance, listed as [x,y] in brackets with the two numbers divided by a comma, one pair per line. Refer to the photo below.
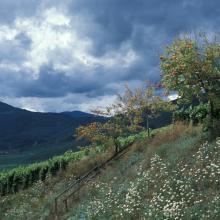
[23,40]
[11,9]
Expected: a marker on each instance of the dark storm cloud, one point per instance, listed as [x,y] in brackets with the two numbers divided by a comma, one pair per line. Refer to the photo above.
[119,20]
[113,26]
[52,83]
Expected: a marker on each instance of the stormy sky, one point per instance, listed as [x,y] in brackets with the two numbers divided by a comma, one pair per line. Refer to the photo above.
[59,55]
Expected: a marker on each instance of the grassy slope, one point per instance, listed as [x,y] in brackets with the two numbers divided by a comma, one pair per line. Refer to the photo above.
[179,181]
[173,177]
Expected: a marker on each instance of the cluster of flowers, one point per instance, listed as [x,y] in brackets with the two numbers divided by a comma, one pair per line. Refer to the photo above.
[22,206]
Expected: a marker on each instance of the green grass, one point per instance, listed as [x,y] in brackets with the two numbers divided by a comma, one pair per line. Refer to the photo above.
[176,151]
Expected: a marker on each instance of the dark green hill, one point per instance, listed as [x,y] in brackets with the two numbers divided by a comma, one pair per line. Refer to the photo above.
[21,129]
[78,114]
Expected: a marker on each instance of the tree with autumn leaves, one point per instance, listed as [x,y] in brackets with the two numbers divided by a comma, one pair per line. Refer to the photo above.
[142,104]
[102,133]
[129,114]
[191,67]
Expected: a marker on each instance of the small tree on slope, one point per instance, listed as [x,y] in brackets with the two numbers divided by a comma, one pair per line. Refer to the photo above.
[129,114]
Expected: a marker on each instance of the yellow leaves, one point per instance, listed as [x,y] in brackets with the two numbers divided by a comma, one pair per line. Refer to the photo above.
[173,57]
[189,45]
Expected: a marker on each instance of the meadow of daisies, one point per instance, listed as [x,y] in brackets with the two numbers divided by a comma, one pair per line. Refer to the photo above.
[175,180]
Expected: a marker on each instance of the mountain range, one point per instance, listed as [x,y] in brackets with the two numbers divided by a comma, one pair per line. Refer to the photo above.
[21,129]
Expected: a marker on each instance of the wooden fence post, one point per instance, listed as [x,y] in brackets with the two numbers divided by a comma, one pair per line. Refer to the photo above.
[66,204]
[78,190]
[56,205]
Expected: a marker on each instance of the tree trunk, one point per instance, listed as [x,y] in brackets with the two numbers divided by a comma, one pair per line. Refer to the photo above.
[148,129]
[211,109]
[116,146]
[211,117]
